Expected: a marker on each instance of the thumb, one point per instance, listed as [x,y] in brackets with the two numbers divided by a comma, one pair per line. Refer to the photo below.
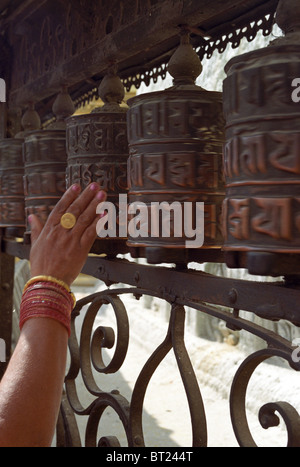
[36,227]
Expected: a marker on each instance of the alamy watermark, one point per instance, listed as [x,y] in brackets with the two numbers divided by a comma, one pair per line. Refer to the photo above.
[2,90]
[296,92]
[2,351]
[154,220]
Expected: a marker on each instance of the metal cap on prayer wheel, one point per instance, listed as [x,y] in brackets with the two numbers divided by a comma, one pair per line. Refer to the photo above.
[45,161]
[97,150]
[262,154]
[176,187]
[12,204]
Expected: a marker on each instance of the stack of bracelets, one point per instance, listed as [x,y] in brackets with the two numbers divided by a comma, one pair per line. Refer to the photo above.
[47,297]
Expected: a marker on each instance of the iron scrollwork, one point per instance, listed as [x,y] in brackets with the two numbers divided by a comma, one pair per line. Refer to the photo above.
[267,413]
[86,355]
[86,358]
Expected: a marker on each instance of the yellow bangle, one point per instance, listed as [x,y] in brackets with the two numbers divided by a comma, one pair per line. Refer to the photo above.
[50,279]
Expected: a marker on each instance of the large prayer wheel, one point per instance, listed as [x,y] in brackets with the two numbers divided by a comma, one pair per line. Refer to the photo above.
[12,213]
[97,150]
[262,155]
[175,166]
[12,202]
[45,160]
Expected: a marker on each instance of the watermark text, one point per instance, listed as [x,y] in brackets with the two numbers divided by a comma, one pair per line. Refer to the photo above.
[2,90]
[296,92]
[2,351]
[154,220]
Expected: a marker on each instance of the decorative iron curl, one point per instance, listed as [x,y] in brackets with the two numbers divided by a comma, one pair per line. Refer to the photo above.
[267,413]
[67,434]
[88,354]
[277,347]
[174,340]
[120,405]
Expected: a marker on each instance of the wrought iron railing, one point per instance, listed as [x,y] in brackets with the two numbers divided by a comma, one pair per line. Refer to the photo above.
[184,289]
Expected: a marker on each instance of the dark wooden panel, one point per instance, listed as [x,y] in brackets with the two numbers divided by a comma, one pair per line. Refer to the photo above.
[62,41]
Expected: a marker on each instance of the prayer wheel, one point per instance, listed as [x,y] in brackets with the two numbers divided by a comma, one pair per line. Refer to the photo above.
[12,214]
[12,202]
[45,162]
[97,150]
[176,186]
[261,211]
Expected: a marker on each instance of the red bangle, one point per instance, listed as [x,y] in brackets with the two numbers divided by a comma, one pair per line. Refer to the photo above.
[53,287]
[37,304]
[48,299]
[43,299]
[45,313]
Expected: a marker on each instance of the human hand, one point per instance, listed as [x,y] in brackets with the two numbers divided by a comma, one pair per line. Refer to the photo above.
[61,253]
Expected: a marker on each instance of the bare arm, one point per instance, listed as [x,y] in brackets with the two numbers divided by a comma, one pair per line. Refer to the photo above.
[31,389]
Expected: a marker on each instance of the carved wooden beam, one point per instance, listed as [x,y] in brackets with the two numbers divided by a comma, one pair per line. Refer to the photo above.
[55,42]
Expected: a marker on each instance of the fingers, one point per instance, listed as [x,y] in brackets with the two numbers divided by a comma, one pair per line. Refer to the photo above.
[61,252]
[90,233]
[64,203]
[77,203]
[83,207]
[89,214]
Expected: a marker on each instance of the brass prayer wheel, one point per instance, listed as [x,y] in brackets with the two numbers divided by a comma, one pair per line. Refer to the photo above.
[97,151]
[12,214]
[12,202]
[262,154]
[176,138]
[45,162]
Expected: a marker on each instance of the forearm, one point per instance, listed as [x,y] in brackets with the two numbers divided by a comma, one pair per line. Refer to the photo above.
[30,391]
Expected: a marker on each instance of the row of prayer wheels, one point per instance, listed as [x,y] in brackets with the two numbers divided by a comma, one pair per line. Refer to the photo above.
[33,168]
[182,182]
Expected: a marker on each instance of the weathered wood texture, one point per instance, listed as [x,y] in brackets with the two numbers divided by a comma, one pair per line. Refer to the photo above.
[55,41]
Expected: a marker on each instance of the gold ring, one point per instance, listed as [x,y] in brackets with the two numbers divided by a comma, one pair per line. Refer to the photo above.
[68,221]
